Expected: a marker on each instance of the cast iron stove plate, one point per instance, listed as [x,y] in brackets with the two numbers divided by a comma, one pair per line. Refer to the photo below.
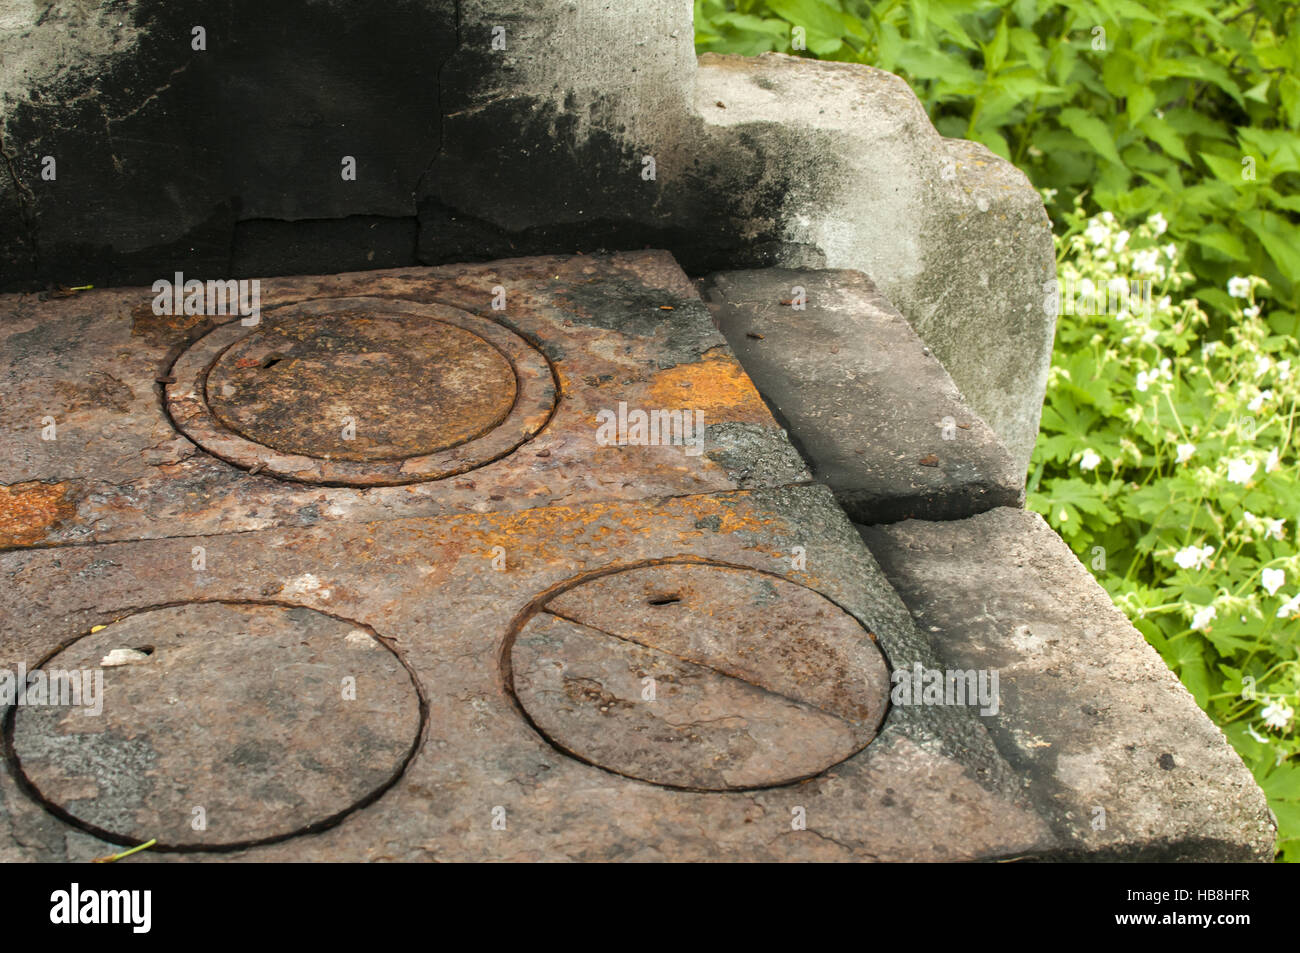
[222,724]
[701,677]
[361,391]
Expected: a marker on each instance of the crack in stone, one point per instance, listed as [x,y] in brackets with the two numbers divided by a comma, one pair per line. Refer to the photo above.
[442,119]
[26,201]
[854,851]
[110,120]
[807,706]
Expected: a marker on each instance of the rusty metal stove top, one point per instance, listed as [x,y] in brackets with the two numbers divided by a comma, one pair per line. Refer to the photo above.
[364,581]
[405,391]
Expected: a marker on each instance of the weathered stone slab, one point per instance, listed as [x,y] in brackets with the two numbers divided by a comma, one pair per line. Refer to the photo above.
[875,414]
[449,597]
[953,235]
[183,425]
[1112,748]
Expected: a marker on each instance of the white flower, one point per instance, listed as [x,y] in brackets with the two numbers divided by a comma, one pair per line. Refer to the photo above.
[1262,364]
[1239,287]
[1108,218]
[1171,250]
[1202,618]
[1145,378]
[1258,401]
[1272,580]
[1096,233]
[1266,525]
[1272,463]
[1089,460]
[1240,471]
[1208,349]
[1290,607]
[1251,312]
[1165,303]
[1185,451]
[1191,557]
[1283,370]
[1121,240]
[1158,223]
[1146,259]
[1277,715]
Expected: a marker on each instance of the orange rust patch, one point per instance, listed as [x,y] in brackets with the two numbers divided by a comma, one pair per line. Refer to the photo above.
[717,385]
[562,383]
[28,511]
[161,330]
[539,533]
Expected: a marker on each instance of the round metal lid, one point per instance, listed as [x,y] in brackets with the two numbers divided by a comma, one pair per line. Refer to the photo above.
[222,724]
[699,676]
[358,386]
[361,391]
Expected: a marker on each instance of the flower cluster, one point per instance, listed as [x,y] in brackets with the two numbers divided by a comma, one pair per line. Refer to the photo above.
[1169,439]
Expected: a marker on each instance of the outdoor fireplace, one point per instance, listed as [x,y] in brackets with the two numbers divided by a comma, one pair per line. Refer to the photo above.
[462,536]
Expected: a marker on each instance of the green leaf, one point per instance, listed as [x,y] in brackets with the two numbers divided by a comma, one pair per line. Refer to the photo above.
[1278,236]
[1280,147]
[1283,782]
[1085,497]
[995,53]
[1258,92]
[1165,136]
[1224,169]
[1092,131]
[1223,241]
[813,15]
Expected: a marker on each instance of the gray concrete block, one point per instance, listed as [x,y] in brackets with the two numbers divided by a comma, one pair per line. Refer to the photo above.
[875,414]
[1092,718]
[953,235]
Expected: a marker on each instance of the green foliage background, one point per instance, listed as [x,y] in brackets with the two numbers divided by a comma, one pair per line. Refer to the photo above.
[1177,121]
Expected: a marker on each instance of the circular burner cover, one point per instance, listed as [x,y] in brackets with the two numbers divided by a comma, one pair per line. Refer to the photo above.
[701,677]
[361,392]
[357,386]
[222,724]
